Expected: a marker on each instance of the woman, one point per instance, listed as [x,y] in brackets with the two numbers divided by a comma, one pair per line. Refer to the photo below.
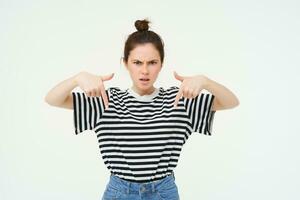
[141,130]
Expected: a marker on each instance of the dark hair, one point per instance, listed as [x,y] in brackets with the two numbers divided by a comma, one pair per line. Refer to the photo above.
[142,36]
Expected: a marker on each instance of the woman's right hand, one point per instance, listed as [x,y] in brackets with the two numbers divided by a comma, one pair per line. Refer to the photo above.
[93,85]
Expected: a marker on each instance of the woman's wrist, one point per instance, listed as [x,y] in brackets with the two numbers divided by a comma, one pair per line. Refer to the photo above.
[204,80]
[76,78]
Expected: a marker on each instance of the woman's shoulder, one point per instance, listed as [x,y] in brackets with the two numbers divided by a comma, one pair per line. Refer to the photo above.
[116,90]
[171,89]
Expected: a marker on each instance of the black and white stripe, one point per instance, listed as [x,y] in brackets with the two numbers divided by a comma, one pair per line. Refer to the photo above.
[141,140]
[200,113]
[87,110]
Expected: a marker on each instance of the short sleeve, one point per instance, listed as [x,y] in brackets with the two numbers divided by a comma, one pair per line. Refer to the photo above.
[200,113]
[86,111]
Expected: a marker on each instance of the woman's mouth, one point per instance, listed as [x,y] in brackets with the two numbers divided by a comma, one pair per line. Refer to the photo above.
[144,80]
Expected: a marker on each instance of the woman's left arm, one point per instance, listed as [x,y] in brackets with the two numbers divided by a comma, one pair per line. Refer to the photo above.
[224,98]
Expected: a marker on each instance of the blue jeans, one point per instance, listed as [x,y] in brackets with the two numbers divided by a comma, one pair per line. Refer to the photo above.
[120,189]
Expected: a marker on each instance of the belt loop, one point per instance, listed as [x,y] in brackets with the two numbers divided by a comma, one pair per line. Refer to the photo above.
[128,187]
[153,188]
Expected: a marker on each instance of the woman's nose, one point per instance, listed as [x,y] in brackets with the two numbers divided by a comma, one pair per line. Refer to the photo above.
[144,69]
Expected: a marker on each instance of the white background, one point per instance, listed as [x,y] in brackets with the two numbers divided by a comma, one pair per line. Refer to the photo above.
[251,47]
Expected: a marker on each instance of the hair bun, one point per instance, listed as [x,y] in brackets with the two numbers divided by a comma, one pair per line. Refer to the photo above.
[142,25]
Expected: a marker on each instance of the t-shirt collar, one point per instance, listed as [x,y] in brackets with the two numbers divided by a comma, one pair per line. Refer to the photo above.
[146,97]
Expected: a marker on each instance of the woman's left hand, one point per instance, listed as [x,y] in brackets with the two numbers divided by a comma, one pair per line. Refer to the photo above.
[190,87]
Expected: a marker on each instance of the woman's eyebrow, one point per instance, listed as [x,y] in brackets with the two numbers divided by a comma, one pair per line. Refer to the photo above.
[141,61]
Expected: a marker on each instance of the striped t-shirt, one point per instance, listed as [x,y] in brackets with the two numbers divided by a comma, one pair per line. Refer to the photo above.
[141,137]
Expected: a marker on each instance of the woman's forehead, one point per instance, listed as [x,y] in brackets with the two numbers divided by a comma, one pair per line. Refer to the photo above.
[144,54]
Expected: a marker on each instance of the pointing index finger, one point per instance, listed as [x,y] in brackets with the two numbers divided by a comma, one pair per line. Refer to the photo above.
[179,94]
[104,96]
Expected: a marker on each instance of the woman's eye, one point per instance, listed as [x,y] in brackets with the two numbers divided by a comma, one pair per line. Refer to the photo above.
[153,63]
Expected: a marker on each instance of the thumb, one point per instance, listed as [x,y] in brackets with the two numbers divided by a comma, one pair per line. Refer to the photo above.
[177,76]
[107,77]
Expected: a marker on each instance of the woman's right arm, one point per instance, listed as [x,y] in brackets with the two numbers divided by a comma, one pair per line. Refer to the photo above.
[91,84]
[60,95]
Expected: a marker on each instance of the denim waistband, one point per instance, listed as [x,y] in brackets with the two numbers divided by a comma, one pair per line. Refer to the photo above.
[135,187]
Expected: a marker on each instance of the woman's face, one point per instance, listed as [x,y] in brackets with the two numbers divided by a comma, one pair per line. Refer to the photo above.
[144,63]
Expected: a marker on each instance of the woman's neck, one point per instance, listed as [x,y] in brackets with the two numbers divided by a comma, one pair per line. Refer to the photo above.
[143,92]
